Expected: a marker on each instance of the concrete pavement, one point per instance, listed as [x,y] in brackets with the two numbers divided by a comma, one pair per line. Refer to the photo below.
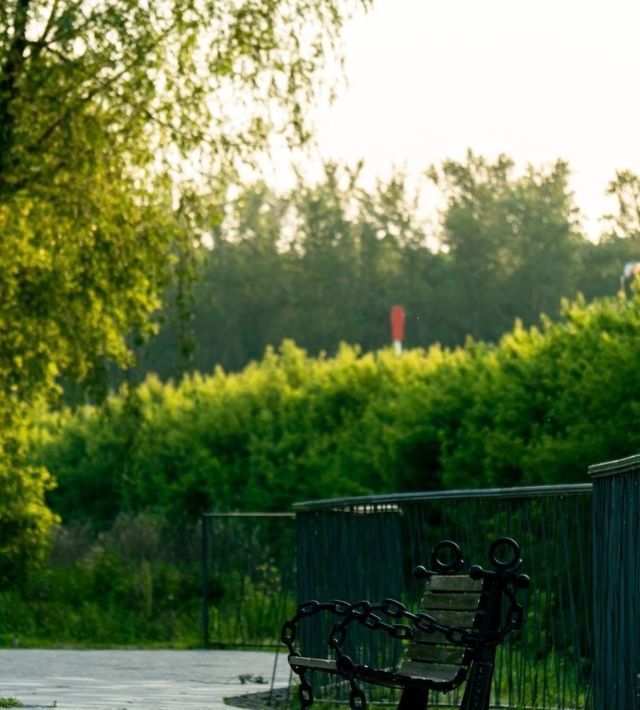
[134,679]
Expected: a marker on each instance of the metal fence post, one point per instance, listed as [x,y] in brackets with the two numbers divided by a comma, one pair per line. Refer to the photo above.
[616,589]
[205,580]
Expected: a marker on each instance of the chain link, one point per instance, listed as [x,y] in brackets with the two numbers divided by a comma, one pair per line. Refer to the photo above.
[357,698]
[288,633]
[393,608]
[305,692]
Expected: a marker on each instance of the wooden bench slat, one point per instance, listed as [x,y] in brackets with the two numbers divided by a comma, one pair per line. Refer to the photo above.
[453,583]
[434,638]
[463,619]
[463,601]
[320,664]
[438,672]
[436,654]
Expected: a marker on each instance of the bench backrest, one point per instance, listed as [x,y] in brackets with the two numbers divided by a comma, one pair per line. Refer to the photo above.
[453,600]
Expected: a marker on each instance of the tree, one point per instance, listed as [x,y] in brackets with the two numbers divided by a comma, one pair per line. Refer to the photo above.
[513,241]
[320,265]
[25,519]
[603,263]
[323,263]
[625,189]
[110,114]
[103,104]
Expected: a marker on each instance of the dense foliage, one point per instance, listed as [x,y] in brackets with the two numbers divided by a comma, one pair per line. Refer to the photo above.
[135,472]
[25,520]
[103,104]
[133,584]
[102,107]
[323,264]
[540,406]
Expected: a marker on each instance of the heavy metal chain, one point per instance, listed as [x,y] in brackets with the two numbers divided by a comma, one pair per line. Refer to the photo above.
[288,636]
[289,631]
[364,613]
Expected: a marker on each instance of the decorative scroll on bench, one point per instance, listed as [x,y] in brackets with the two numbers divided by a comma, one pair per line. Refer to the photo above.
[452,638]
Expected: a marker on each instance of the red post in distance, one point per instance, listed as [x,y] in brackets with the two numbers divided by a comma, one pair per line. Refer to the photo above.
[397,327]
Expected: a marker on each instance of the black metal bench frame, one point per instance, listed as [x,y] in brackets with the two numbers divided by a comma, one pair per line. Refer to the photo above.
[441,655]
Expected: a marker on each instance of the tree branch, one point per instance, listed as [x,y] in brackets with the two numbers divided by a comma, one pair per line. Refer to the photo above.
[49,25]
[9,75]
[48,132]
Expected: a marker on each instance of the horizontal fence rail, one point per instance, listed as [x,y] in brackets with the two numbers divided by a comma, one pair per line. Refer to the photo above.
[554,491]
[366,548]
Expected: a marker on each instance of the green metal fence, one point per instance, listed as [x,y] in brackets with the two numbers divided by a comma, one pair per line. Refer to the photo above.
[249,577]
[366,548]
[616,561]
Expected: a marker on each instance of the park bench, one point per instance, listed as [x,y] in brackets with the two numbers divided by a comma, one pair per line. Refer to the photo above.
[451,638]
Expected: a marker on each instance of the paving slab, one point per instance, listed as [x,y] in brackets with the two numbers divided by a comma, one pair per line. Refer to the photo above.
[136,679]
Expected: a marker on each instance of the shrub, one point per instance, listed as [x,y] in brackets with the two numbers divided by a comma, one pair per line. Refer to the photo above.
[539,407]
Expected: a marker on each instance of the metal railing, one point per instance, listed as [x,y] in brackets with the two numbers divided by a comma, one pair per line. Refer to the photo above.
[366,548]
[248,577]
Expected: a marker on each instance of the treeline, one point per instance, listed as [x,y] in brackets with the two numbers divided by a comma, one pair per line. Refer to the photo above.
[322,264]
[538,407]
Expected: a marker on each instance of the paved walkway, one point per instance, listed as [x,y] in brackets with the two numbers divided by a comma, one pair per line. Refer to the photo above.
[133,680]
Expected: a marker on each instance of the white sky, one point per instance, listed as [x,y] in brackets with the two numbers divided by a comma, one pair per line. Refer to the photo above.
[536,79]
